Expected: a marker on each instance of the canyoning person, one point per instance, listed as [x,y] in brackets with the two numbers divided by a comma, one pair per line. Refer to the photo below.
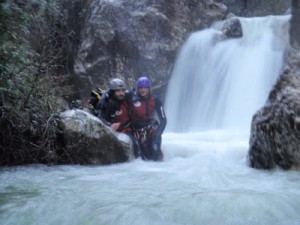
[114,107]
[148,121]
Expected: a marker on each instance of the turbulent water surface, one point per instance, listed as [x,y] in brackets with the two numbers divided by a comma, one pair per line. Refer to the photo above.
[204,180]
[215,88]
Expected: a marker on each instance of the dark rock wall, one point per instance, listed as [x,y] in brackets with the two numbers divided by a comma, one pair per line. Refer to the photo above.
[275,138]
[295,23]
[129,38]
[252,8]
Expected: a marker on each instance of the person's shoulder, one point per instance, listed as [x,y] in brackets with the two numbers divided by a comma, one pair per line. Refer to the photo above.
[106,95]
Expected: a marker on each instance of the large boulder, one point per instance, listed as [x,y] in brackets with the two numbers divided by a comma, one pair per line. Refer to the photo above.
[86,140]
[131,38]
[275,131]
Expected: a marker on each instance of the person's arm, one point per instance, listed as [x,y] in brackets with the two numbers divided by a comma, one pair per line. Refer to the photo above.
[104,117]
[161,116]
[104,108]
[102,100]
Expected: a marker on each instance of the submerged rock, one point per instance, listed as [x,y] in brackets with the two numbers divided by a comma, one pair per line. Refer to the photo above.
[86,140]
[275,131]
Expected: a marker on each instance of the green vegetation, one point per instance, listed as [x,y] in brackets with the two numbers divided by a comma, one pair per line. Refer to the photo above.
[32,63]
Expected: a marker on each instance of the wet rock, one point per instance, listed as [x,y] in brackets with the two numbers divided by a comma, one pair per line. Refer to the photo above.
[275,131]
[86,140]
[232,28]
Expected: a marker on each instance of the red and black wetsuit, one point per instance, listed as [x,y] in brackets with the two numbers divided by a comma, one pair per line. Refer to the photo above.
[146,112]
[115,111]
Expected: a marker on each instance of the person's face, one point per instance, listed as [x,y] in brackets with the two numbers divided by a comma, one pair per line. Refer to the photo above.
[144,92]
[120,94]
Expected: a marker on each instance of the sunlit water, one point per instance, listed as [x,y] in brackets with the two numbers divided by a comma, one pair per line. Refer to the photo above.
[204,178]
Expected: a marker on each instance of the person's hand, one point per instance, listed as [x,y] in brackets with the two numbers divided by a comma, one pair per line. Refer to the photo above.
[115,126]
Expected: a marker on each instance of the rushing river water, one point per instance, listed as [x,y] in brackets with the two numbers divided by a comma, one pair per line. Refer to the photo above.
[204,178]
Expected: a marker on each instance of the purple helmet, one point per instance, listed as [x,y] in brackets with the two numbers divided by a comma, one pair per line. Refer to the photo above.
[143,82]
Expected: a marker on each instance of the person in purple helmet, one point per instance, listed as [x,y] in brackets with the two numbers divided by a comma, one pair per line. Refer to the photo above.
[148,121]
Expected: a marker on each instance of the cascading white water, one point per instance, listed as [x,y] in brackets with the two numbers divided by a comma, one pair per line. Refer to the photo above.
[221,83]
[204,178]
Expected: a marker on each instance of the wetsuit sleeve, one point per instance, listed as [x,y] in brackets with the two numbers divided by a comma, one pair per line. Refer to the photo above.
[161,115]
[104,109]
[103,99]
[104,117]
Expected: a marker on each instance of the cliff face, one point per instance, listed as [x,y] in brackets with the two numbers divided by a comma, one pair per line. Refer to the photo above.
[127,39]
[295,28]
[275,130]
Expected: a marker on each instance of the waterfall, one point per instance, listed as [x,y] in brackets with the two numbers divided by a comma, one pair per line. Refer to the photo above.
[220,83]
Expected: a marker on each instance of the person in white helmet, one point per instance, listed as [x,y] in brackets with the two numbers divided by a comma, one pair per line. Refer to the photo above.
[114,107]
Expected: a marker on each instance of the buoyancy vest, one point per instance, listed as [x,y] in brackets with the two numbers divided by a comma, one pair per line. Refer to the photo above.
[117,112]
[142,111]
[122,115]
